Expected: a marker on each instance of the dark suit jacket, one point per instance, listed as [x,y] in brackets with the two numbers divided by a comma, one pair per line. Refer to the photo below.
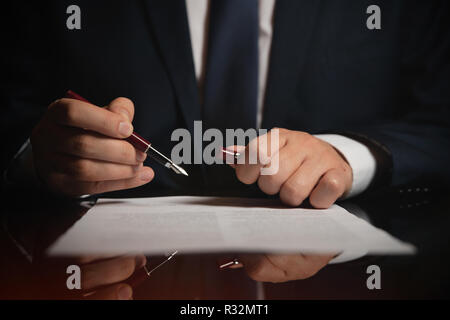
[388,88]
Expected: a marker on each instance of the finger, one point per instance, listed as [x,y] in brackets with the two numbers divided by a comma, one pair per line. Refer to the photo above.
[79,114]
[123,106]
[65,184]
[91,258]
[300,184]
[258,154]
[290,158]
[259,268]
[319,260]
[114,292]
[140,259]
[330,187]
[299,266]
[91,145]
[90,170]
[107,272]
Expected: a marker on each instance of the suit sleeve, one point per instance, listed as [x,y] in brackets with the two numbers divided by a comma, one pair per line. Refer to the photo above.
[416,145]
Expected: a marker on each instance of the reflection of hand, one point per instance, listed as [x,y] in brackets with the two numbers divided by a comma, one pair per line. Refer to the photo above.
[282,268]
[78,148]
[103,279]
[308,167]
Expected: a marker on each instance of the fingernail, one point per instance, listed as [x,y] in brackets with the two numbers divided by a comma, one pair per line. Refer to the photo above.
[146,176]
[140,261]
[125,128]
[125,293]
[140,156]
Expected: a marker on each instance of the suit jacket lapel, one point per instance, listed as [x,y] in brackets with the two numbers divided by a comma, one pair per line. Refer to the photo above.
[169,24]
[294,21]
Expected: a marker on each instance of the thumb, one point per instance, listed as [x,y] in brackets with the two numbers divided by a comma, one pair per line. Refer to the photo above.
[122,106]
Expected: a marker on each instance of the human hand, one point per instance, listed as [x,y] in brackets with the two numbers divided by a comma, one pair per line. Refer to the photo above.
[308,167]
[104,279]
[281,268]
[78,148]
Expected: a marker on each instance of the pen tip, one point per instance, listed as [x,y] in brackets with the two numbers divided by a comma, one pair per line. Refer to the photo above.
[179,169]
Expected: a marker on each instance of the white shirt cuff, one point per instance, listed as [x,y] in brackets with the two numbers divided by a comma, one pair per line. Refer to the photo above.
[358,156]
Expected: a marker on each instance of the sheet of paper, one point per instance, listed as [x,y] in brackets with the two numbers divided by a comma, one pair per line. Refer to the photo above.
[210,224]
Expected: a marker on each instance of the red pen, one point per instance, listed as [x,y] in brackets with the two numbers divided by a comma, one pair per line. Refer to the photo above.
[228,153]
[140,143]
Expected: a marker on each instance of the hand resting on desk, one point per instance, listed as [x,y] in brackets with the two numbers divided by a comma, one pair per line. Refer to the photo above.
[102,278]
[308,167]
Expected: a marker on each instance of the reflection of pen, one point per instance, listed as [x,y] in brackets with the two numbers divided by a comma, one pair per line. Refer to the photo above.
[146,271]
[141,144]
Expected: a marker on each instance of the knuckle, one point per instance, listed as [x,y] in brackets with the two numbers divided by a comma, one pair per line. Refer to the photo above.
[293,193]
[109,121]
[56,107]
[125,102]
[80,169]
[308,140]
[320,202]
[122,269]
[54,103]
[124,105]
[66,113]
[257,272]
[81,144]
[112,273]
[243,176]
[269,184]
[127,268]
[306,273]
[127,153]
[333,184]
[282,278]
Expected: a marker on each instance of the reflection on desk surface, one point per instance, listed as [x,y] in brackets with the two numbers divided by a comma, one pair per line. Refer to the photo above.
[417,217]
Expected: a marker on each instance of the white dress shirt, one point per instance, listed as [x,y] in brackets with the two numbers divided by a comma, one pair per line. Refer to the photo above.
[358,156]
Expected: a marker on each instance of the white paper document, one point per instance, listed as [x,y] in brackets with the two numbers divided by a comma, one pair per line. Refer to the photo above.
[211,224]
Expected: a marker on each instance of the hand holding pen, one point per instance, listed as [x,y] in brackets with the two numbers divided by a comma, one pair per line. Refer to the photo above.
[141,144]
[79,148]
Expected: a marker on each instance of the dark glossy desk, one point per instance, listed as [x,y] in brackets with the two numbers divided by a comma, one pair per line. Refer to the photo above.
[31,222]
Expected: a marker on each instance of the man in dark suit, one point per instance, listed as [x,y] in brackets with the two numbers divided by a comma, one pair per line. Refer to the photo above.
[361,92]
